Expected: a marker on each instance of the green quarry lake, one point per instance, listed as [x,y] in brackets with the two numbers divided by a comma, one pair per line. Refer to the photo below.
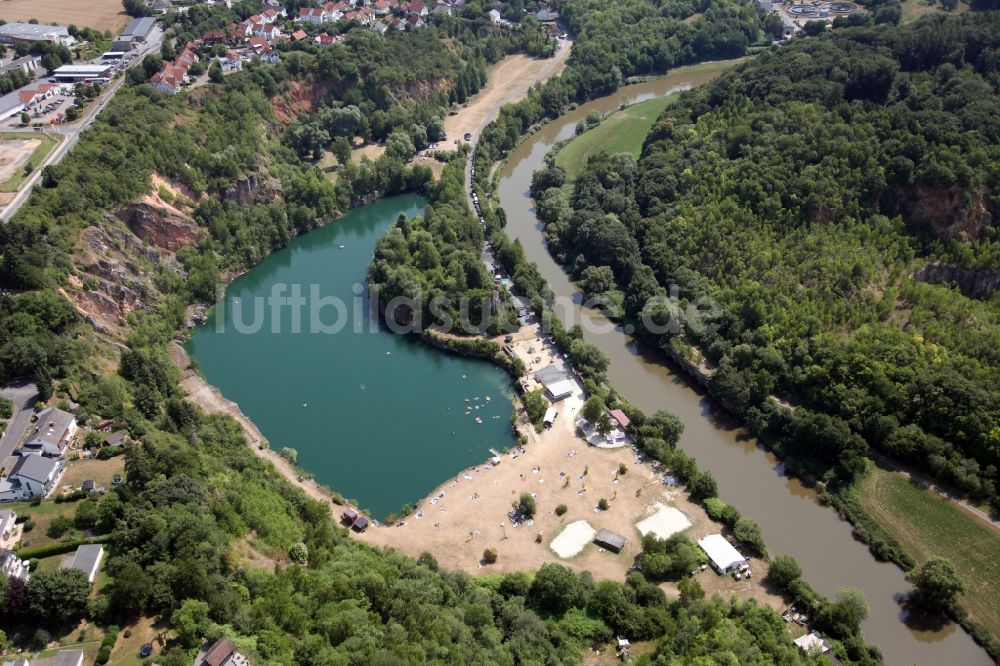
[378,417]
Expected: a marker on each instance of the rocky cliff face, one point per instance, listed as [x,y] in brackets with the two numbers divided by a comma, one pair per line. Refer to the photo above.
[971,282]
[115,270]
[949,213]
[162,227]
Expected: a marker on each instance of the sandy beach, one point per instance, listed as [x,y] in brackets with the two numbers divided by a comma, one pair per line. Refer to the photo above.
[469,512]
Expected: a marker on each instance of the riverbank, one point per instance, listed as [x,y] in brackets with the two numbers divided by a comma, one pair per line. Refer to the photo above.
[210,399]
[792,518]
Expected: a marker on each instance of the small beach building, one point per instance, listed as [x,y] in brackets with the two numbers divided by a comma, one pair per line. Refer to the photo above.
[620,418]
[560,390]
[721,554]
[361,524]
[349,516]
[558,384]
[550,417]
[610,541]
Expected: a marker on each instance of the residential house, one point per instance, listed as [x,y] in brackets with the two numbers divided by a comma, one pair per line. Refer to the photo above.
[54,428]
[174,74]
[221,653]
[381,7]
[32,476]
[8,518]
[314,15]
[214,37]
[270,56]
[494,16]
[61,658]
[13,567]
[259,45]
[159,6]
[415,21]
[269,32]
[87,559]
[417,7]
[380,27]
[441,10]
[231,62]
[299,35]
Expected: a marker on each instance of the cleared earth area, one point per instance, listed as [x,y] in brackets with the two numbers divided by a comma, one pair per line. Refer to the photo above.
[98,14]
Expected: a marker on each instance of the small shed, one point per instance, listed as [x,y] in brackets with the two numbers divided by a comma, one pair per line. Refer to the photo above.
[349,516]
[619,416]
[550,417]
[88,486]
[361,524]
[723,556]
[114,439]
[610,541]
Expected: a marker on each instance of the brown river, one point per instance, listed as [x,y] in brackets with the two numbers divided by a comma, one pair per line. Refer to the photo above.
[792,519]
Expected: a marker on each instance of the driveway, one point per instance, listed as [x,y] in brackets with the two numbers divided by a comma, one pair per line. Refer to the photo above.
[23,394]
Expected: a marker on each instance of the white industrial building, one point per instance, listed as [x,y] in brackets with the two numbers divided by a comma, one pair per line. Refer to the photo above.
[76,73]
[721,554]
[12,33]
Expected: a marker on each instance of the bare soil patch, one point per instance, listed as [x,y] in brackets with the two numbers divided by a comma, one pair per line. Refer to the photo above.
[506,81]
[14,154]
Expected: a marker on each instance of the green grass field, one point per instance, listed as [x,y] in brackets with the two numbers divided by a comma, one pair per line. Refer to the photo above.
[914,9]
[41,152]
[926,525]
[621,132]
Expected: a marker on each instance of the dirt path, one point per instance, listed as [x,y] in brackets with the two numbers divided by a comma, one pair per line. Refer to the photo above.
[212,401]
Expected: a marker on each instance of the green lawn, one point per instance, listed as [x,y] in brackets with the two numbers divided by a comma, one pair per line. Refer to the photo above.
[927,525]
[43,515]
[621,132]
[49,142]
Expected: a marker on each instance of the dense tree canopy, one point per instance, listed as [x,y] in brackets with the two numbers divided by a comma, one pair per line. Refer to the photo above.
[805,192]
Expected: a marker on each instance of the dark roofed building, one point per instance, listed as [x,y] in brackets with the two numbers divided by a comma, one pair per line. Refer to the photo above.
[219,653]
[550,374]
[610,541]
[139,28]
[361,524]
[114,439]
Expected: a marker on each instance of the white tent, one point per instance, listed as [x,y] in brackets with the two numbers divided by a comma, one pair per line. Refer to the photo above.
[812,643]
[721,553]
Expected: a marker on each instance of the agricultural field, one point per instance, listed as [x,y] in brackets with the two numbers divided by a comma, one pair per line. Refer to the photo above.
[927,525]
[621,132]
[18,150]
[98,14]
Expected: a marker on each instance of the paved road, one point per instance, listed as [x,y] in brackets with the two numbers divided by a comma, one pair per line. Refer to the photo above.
[23,394]
[71,133]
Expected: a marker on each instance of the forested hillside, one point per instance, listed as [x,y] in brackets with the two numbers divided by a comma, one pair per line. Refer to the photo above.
[838,198]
